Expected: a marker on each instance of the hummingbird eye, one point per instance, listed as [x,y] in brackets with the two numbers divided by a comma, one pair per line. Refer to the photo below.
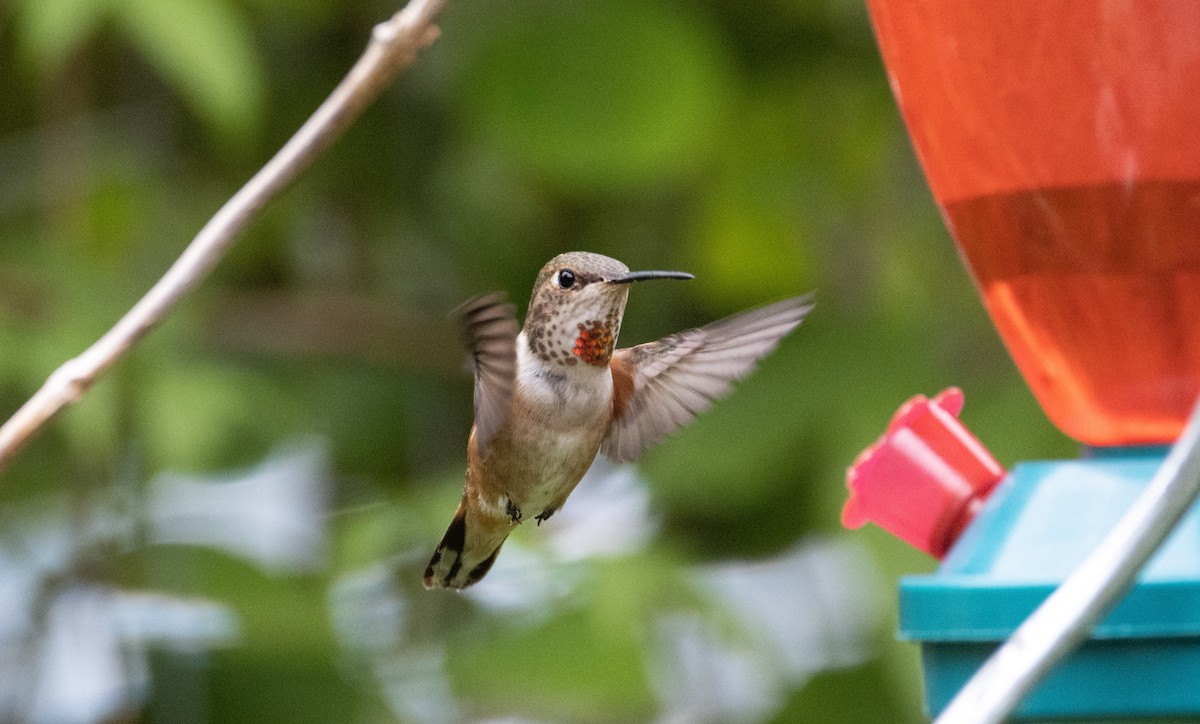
[566,279]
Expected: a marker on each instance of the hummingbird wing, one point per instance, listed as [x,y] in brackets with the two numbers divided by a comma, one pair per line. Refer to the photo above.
[491,327]
[661,386]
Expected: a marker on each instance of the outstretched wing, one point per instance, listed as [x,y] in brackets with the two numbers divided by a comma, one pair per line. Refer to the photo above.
[491,327]
[661,386]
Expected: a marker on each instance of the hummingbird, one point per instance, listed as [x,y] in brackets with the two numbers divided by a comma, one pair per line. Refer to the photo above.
[553,394]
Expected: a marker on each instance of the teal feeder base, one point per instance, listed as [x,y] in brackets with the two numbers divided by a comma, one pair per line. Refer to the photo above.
[1143,660]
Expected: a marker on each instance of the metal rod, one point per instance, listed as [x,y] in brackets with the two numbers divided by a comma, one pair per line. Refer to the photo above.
[1067,616]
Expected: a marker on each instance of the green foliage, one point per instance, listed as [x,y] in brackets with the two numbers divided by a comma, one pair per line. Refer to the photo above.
[599,95]
[205,50]
[51,30]
[202,416]
[568,669]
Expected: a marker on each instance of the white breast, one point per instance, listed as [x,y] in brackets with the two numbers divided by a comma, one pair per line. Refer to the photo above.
[572,396]
[566,414]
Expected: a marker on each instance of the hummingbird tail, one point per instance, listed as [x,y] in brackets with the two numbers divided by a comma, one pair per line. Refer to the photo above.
[467,551]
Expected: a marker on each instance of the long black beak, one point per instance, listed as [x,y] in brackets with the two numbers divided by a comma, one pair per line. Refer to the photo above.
[643,275]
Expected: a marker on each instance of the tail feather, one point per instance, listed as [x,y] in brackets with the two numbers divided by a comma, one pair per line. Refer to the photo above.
[467,551]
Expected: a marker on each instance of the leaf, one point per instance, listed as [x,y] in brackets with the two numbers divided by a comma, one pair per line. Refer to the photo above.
[48,31]
[609,95]
[205,49]
[201,415]
[748,242]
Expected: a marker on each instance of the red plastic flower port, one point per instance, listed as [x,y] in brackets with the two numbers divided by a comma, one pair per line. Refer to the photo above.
[925,479]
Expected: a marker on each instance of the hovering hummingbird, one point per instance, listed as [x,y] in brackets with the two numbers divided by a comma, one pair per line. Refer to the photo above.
[549,396]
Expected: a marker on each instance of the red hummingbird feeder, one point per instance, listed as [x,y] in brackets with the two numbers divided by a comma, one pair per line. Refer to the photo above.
[1061,141]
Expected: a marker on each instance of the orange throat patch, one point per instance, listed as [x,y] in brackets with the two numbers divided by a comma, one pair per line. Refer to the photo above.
[594,345]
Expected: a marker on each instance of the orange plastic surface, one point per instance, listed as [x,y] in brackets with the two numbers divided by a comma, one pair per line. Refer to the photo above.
[1062,142]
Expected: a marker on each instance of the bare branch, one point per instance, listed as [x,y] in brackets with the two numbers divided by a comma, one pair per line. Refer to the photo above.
[393,47]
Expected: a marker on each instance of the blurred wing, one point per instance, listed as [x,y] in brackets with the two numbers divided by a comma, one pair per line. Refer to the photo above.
[491,327]
[661,386]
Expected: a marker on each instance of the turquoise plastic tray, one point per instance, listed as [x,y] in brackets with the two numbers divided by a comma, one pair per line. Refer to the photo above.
[1142,661]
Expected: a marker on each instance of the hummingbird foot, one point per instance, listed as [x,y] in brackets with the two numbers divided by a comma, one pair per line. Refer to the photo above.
[545,515]
[514,513]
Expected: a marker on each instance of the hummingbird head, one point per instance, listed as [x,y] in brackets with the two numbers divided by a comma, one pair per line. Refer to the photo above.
[576,308]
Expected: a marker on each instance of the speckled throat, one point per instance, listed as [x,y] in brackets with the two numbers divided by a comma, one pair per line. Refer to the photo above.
[595,342]
[566,333]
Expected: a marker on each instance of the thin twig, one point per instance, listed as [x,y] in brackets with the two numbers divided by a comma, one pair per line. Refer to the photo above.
[393,47]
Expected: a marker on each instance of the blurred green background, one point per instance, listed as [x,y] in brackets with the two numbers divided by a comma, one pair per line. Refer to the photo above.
[231,527]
